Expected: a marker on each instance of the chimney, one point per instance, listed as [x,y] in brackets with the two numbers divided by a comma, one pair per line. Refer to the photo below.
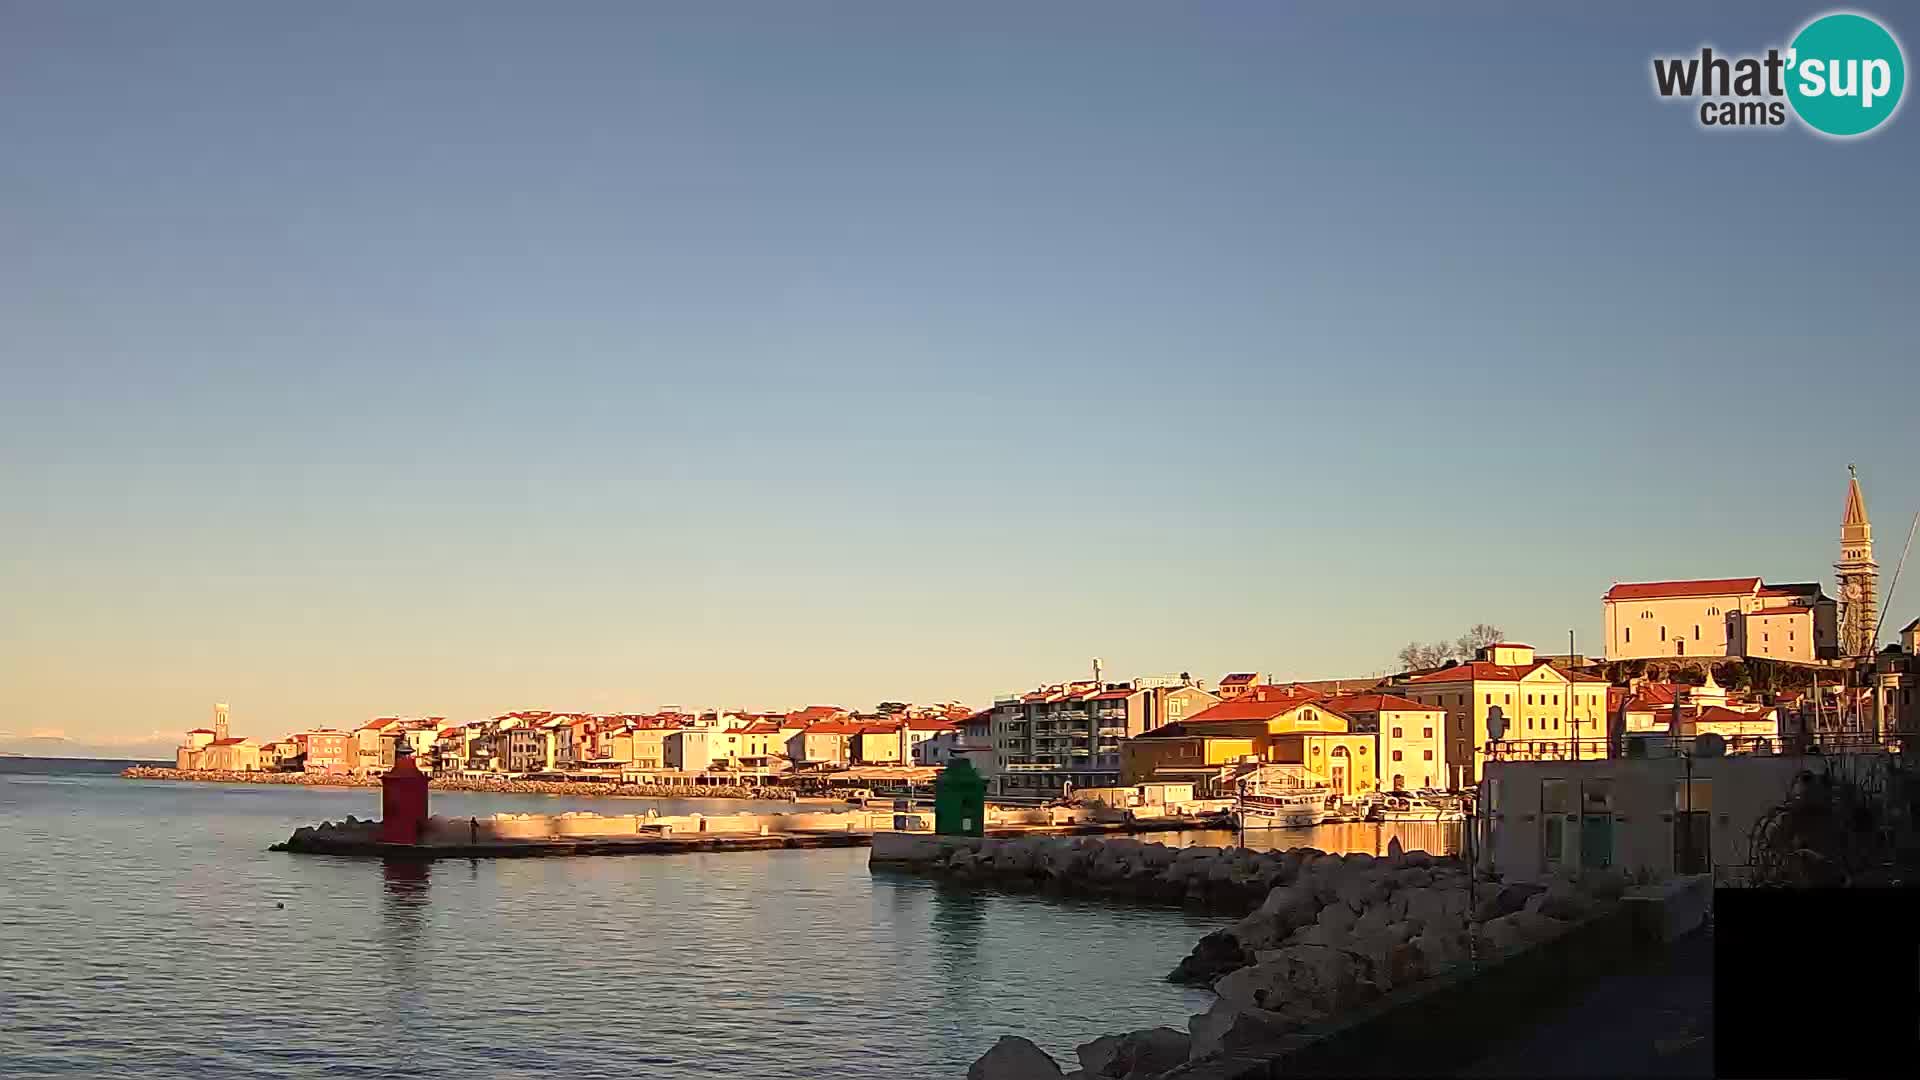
[1096,672]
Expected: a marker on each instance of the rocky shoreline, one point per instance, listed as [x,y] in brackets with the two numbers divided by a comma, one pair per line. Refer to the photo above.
[484,786]
[1320,936]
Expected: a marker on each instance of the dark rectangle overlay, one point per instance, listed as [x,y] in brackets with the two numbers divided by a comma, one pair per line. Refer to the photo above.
[1812,983]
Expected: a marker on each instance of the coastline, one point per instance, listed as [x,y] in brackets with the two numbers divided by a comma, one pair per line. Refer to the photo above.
[457,783]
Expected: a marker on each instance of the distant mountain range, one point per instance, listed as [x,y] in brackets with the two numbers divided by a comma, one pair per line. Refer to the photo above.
[52,746]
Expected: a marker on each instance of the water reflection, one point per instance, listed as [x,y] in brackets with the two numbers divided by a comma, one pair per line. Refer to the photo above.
[403,925]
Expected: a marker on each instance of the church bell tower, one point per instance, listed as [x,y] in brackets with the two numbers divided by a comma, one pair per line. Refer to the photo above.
[1858,575]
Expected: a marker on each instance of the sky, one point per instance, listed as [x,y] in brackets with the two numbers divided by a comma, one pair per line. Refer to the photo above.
[450,359]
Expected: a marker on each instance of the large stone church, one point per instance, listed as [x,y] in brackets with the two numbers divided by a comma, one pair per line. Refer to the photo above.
[1747,617]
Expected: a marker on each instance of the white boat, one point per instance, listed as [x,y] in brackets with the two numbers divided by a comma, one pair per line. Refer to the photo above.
[1280,797]
[1297,811]
[1419,806]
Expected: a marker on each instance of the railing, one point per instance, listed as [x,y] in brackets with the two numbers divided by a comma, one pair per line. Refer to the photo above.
[1548,750]
[1661,745]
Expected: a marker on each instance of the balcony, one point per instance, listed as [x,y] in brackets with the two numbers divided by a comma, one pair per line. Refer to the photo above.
[1113,733]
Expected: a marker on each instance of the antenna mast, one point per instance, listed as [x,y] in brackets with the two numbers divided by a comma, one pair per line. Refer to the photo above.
[1895,583]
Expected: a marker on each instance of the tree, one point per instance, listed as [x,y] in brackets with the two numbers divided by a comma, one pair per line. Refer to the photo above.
[1477,637]
[1419,655]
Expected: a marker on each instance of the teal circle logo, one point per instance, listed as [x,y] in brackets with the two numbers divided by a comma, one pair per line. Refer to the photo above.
[1845,74]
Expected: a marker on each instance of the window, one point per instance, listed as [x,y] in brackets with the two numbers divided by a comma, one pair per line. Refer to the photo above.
[1397,755]
[1396,733]
[1555,807]
[1429,755]
[1556,699]
[1489,700]
[1629,633]
[1713,611]
[1663,633]
[1529,723]
[1529,699]
[1509,699]
[1426,733]
[1556,723]
[1696,631]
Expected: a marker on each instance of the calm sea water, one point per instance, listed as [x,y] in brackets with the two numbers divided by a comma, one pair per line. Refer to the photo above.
[145,930]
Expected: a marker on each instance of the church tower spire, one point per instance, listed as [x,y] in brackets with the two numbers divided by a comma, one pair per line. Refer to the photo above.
[1858,575]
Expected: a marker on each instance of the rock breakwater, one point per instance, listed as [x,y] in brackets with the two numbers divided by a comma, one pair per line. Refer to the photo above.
[1321,934]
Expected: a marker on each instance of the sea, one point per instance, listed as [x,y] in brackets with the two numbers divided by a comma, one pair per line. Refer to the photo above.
[146,931]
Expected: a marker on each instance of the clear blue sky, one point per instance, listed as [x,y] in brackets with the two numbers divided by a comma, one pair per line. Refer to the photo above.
[456,358]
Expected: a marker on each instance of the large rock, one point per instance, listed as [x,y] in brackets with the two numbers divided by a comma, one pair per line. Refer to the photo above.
[1299,983]
[1137,1053]
[1014,1058]
[1510,933]
[1214,955]
[1225,1027]
[1514,897]
[1561,901]
[1440,951]
[1436,906]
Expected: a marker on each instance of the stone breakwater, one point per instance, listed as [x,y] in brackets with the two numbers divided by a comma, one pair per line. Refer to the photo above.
[454,783]
[1321,934]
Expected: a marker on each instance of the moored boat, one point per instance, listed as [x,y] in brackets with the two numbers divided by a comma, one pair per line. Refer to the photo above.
[1419,806]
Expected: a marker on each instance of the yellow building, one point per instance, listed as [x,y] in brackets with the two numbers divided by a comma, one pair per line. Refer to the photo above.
[1266,725]
[1550,714]
[1412,754]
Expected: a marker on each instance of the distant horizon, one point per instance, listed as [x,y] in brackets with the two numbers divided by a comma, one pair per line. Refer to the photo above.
[427,359]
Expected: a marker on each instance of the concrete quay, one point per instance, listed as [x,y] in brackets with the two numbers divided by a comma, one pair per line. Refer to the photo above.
[549,835]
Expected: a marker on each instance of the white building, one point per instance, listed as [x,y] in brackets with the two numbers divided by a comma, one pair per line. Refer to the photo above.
[1539,818]
[1720,617]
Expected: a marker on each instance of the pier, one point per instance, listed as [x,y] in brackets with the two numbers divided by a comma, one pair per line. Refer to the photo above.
[551,835]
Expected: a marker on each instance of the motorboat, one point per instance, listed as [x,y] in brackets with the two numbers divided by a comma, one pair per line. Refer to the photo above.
[1419,806]
[1297,810]
[1280,797]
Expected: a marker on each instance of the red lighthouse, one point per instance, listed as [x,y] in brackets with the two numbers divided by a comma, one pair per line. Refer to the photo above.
[403,799]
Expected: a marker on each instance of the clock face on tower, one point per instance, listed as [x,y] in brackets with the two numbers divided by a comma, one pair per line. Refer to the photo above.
[1851,590]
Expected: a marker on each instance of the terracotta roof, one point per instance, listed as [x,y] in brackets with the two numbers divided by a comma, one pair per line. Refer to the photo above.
[925,724]
[201,731]
[1661,590]
[1254,706]
[1475,671]
[880,729]
[227,742]
[1763,612]
[764,727]
[1113,695]
[376,725]
[833,727]
[1484,671]
[1352,703]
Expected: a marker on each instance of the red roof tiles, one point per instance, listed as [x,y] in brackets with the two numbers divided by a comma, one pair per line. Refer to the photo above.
[1352,703]
[1663,590]
[1254,706]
